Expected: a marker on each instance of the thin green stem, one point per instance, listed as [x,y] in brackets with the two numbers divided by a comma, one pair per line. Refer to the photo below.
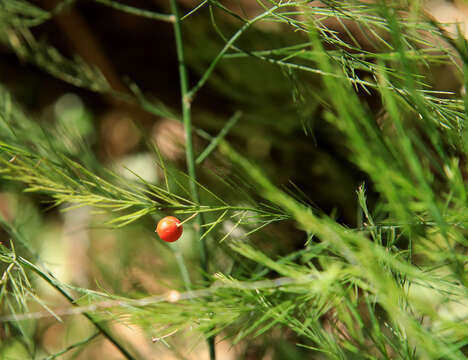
[74,346]
[229,44]
[157,299]
[231,122]
[138,12]
[50,279]
[186,117]
[225,49]
[182,266]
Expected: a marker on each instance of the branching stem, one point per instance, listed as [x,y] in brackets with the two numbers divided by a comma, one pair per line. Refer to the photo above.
[187,120]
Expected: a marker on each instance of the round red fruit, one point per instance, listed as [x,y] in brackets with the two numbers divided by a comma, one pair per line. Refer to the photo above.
[169,229]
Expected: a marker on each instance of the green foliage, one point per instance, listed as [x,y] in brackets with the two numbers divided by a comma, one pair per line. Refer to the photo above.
[392,285]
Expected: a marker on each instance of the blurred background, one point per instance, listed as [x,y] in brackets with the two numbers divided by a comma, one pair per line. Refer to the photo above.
[296,148]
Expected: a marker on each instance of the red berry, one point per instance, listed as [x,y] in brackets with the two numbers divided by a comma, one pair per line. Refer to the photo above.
[169,229]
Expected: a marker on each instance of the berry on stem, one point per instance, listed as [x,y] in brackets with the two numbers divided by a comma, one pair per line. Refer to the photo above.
[169,228]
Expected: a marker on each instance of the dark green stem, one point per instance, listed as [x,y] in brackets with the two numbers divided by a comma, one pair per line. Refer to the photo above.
[187,120]
[50,279]
[71,347]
